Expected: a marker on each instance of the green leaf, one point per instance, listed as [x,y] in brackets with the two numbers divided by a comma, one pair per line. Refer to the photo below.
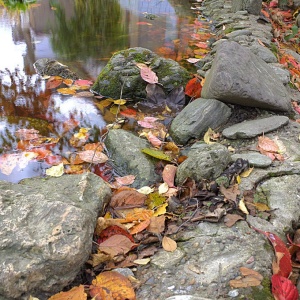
[295,29]
[155,200]
[157,154]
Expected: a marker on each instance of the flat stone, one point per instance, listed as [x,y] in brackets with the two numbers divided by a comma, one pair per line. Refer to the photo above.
[253,128]
[46,236]
[164,259]
[194,120]
[238,33]
[228,82]
[264,53]
[255,159]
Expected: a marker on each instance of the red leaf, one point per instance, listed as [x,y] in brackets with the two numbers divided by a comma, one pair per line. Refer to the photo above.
[283,288]
[148,75]
[82,82]
[128,112]
[283,257]
[104,171]
[193,88]
[113,230]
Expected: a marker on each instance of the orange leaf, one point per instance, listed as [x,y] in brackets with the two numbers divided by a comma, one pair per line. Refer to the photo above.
[193,88]
[157,224]
[53,82]
[168,174]
[66,91]
[169,244]
[76,293]
[115,286]
[140,227]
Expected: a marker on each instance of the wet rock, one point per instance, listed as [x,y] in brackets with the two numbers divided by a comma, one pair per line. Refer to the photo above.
[250,129]
[47,226]
[194,120]
[122,76]
[227,80]
[125,151]
[255,159]
[252,6]
[203,162]
[51,67]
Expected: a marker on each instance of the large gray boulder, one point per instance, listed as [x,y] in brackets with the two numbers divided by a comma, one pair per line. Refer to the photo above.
[47,226]
[194,120]
[238,76]
[204,162]
[125,151]
[121,76]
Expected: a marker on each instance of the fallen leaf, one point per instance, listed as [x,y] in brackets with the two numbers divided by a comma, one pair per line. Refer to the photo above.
[120,102]
[157,224]
[91,156]
[169,244]
[231,219]
[155,141]
[163,188]
[246,173]
[115,286]
[168,174]
[142,261]
[283,288]
[83,82]
[54,82]
[27,134]
[249,272]
[116,245]
[140,227]
[146,190]
[125,180]
[56,171]
[103,223]
[193,88]
[208,135]
[66,91]
[127,198]
[161,210]
[129,112]
[230,193]
[76,293]
[243,207]
[148,75]
[157,154]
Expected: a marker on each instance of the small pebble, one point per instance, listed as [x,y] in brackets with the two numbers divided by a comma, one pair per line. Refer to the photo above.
[233,293]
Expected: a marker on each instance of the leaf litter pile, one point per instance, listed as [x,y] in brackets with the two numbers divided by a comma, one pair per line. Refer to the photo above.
[138,222]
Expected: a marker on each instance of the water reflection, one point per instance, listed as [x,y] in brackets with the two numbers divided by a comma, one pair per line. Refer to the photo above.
[82,34]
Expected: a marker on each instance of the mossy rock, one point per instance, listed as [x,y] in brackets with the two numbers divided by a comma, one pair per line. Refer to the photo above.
[121,76]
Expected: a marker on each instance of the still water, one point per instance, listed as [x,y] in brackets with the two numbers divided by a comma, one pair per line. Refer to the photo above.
[82,34]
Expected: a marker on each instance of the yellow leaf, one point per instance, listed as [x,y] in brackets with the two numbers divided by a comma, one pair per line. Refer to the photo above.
[157,154]
[243,207]
[142,261]
[169,244]
[246,173]
[238,179]
[261,206]
[120,101]
[66,91]
[161,210]
[207,136]
[56,171]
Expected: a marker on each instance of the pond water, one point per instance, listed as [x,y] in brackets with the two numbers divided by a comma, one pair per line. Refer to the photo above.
[82,34]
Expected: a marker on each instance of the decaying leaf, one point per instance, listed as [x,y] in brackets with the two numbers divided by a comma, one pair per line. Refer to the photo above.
[140,227]
[127,197]
[231,219]
[56,171]
[54,82]
[157,154]
[231,193]
[76,293]
[142,261]
[269,147]
[169,244]
[91,156]
[157,224]
[155,141]
[125,180]
[114,285]
[146,190]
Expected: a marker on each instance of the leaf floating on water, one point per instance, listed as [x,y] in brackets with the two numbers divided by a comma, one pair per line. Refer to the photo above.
[120,102]
[68,82]
[91,156]
[157,154]
[56,171]
[82,82]
[54,82]
[66,91]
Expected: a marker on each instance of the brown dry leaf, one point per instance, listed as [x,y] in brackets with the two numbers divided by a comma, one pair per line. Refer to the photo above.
[244,282]
[76,293]
[116,245]
[128,198]
[94,146]
[115,286]
[125,180]
[231,193]
[249,272]
[157,224]
[269,147]
[91,156]
[97,293]
[140,227]
[171,146]
[54,82]
[149,251]
[169,244]
[99,258]
[168,174]
[231,219]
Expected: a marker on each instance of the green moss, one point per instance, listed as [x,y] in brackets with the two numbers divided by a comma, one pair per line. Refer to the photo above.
[228,30]
[261,197]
